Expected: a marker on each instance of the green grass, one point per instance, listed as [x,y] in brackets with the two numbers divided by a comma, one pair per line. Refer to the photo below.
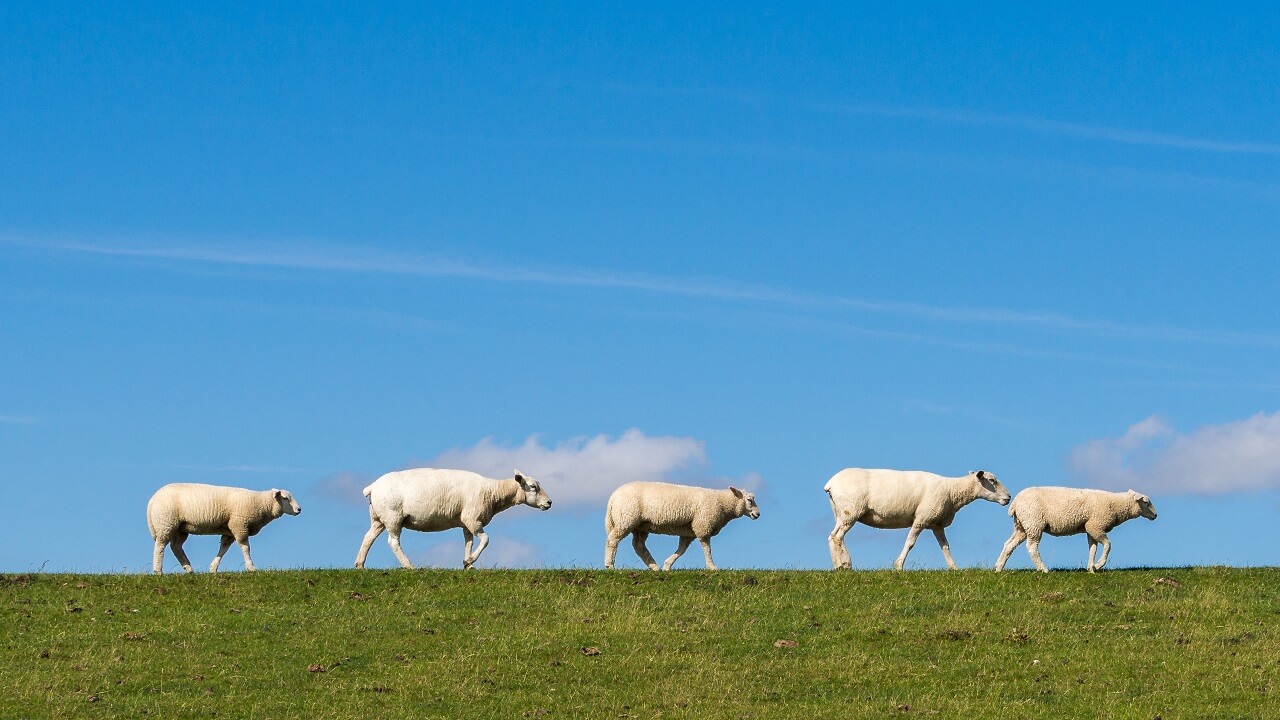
[691,644]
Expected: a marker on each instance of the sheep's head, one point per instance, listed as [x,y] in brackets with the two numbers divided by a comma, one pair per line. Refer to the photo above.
[534,495]
[1144,506]
[287,504]
[748,505]
[990,488]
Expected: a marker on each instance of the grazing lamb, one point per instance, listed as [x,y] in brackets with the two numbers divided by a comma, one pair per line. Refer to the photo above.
[1070,511]
[640,508]
[428,499]
[894,499]
[182,509]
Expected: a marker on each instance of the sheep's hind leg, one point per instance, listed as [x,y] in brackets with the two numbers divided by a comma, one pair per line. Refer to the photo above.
[1033,549]
[1016,539]
[375,529]
[941,535]
[611,550]
[393,539]
[222,550]
[637,542]
[684,545]
[157,557]
[912,534]
[840,559]
[176,545]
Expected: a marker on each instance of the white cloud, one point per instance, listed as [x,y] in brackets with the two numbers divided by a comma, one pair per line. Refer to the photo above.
[1152,457]
[582,470]
[502,552]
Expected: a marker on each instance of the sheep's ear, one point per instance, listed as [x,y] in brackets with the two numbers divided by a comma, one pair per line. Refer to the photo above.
[519,476]
[736,492]
[277,494]
[978,473]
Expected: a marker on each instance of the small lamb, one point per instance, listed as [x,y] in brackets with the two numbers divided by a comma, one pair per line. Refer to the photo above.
[1069,511]
[640,508]
[182,509]
[894,499]
[430,499]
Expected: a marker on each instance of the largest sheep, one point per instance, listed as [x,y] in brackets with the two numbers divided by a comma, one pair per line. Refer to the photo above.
[178,510]
[903,499]
[1070,511]
[431,499]
[640,508]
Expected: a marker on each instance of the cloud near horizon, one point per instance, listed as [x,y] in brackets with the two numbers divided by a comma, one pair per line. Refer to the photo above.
[1152,457]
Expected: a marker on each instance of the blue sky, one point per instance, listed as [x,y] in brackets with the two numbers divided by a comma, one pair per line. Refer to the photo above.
[301,247]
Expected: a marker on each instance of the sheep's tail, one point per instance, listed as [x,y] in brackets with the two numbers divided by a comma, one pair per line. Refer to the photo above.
[367,492]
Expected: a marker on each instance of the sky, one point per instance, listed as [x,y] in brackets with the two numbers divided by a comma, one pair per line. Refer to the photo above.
[303,246]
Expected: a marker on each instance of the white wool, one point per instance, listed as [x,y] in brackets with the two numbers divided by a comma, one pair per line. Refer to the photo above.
[903,499]
[641,508]
[182,509]
[1071,511]
[430,499]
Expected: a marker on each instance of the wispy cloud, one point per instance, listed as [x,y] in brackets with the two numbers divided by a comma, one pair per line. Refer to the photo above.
[18,420]
[502,552]
[330,258]
[257,469]
[1153,457]
[1062,128]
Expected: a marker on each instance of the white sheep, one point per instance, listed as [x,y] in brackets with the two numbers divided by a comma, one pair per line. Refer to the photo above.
[182,509]
[429,499]
[893,499]
[641,508]
[1070,511]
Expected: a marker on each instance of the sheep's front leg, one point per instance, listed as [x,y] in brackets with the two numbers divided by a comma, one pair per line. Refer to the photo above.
[483,537]
[684,545]
[393,539]
[1010,545]
[912,534]
[941,535]
[243,540]
[839,552]
[637,542]
[222,550]
[469,540]
[706,550]
[1106,550]
[176,545]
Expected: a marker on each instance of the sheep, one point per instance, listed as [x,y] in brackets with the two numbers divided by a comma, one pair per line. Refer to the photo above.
[1069,511]
[894,499]
[640,508]
[179,510]
[431,499]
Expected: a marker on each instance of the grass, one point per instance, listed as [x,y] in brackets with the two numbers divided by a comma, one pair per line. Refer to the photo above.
[1168,643]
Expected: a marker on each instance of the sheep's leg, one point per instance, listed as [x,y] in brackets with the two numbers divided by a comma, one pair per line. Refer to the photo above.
[242,539]
[176,545]
[1010,545]
[375,529]
[483,537]
[637,542]
[393,539]
[1106,551]
[1093,549]
[157,558]
[222,550]
[1033,549]
[941,535]
[611,550]
[839,552]
[912,534]
[469,540]
[684,545]
[706,550]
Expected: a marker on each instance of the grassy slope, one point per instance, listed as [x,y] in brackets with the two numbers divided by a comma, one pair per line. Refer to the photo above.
[684,644]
